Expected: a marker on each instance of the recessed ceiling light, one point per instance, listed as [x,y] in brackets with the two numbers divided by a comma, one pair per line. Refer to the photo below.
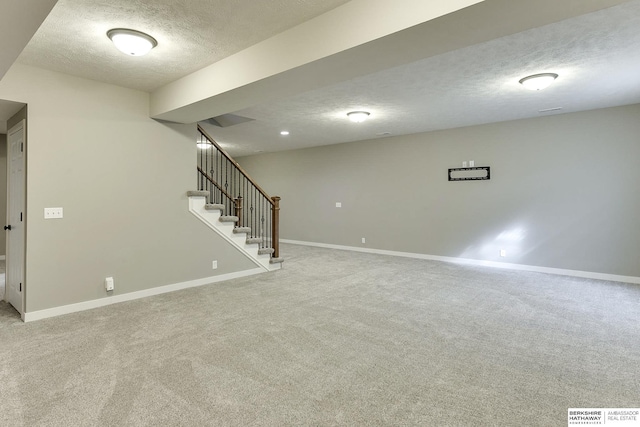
[284,133]
[358,116]
[538,81]
[132,42]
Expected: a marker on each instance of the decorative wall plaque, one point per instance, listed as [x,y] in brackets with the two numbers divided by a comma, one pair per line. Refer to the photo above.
[470,174]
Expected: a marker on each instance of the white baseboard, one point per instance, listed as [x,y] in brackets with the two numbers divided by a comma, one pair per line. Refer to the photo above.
[102,302]
[467,261]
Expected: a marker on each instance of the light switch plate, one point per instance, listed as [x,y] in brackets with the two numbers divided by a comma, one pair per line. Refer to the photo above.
[52,213]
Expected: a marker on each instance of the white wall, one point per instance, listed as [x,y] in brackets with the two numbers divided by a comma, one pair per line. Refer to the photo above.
[564,192]
[121,179]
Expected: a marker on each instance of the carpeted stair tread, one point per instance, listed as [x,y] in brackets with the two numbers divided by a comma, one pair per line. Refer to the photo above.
[252,240]
[197,193]
[264,251]
[214,206]
[239,230]
[228,218]
[276,260]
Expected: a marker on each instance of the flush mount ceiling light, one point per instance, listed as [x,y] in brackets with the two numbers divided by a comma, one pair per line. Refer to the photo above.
[358,116]
[284,133]
[132,42]
[538,81]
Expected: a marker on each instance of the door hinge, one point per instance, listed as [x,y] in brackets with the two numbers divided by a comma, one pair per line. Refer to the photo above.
[20,216]
[20,287]
[21,147]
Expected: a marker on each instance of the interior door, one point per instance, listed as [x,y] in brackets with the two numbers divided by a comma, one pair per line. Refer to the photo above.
[15,216]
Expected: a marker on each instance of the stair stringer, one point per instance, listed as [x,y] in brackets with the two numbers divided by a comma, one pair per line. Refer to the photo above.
[211,218]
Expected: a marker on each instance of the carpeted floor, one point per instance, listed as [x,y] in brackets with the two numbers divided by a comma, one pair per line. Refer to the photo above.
[335,338]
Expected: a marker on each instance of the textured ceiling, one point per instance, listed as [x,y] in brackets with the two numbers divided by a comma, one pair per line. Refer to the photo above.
[191,34]
[596,55]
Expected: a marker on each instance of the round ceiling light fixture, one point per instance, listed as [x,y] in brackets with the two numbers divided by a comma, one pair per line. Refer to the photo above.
[132,42]
[203,144]
[538,81]
[358,116]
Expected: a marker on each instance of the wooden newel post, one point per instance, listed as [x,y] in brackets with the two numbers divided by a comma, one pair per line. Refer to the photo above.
[238,202]
[275,226]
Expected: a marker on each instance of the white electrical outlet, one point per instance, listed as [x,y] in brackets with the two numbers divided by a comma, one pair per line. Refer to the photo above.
[364,240]
[464,164]
[503,252]
[338,205]
[108,284]
[472,163]
[52,213]
[214,264]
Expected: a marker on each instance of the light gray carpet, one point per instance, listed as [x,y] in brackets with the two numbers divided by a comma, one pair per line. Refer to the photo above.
[335,338]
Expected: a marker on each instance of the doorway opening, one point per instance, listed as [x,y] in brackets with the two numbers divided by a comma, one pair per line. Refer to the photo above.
[13,139]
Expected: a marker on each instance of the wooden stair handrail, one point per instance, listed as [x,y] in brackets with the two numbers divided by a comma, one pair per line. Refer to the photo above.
[242,171]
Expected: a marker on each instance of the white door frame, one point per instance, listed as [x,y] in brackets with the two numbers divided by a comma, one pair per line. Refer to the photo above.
[16,217]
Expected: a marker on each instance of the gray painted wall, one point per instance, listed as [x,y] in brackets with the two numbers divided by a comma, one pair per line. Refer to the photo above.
[564,192]
[3,191]
[121,179]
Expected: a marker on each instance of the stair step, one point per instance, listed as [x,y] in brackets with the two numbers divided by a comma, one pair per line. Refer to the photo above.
[213,207]
[242,238]
[228,218]
[197,193]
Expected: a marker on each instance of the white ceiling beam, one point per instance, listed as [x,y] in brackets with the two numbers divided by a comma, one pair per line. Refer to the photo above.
[353,24]
[19,21]
[350,41]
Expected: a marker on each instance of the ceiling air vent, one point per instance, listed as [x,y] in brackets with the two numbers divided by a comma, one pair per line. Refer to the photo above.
[226,120]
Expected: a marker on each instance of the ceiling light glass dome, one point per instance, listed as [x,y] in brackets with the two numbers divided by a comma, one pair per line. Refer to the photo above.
[132,42]
[358,116]
[538,81]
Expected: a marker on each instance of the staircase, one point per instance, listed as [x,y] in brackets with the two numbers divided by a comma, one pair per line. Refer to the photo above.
[250,219]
